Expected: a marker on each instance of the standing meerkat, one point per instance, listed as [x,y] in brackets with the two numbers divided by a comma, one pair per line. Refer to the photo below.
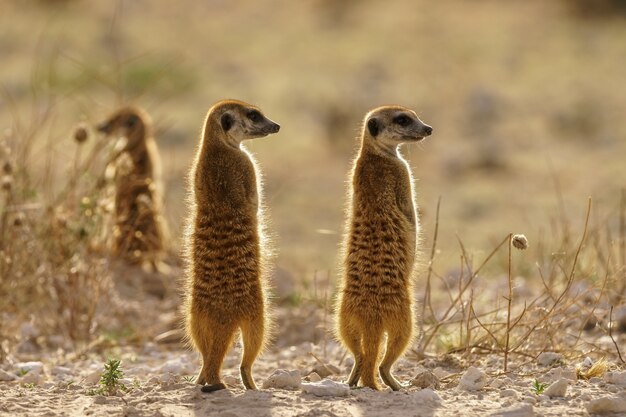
[225,246]
[376,294]
[139,229]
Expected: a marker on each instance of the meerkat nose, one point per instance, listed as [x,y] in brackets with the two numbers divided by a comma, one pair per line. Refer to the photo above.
[428,130]
[275,127]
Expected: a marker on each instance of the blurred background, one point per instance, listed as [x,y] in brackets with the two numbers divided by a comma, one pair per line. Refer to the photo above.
[526,98]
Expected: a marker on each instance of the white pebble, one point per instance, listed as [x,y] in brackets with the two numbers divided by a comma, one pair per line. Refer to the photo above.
[283,379]
[29,367]
[558,389]
[326,388]
[549,358]
[508,393]
[473,379]
[518,410]
[606,405]
[5,376]
[92,378]
[427,395]
[617,378]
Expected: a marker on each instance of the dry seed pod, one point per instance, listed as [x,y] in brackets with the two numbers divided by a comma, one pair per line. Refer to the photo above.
[520,242]
[81,134]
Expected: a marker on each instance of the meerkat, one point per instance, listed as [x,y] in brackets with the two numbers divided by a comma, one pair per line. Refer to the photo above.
[379,248]
[139,229]
[226,248]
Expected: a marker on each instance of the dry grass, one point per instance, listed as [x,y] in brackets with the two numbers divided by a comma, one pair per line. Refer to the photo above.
[510,107]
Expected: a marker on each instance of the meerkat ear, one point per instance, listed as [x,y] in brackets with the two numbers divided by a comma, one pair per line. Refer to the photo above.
[226,121]
[372,126]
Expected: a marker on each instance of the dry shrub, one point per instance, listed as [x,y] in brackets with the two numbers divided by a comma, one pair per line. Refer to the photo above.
[581,279]
[52,263]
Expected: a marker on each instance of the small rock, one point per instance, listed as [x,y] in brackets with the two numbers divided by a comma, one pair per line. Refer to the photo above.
[549,359]
[617,378]
[555,374]
[558,389]
[29,367]
[427,395]
[425,379]
[529,400]
[473,379]
[543,398]
[60,370]
[508,393]
[314,377]
[518,410]
[31,378]
[5,376]
[606,405]
[586,364]
[326,388]
[440,372]
[283,379]
[92,378]
[596,381]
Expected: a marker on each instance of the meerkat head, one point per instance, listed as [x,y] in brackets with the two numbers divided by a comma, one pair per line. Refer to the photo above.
[129,122]
[390,126]
[239,121]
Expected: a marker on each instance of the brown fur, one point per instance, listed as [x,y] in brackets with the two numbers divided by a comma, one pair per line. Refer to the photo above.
[226,249]
[139,230]
[376,294]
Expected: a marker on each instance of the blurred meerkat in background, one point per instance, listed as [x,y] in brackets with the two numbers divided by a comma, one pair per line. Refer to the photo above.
[139,229]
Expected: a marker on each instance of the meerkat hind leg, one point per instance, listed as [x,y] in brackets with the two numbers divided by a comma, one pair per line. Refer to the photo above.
[397,339]
[252,338]
[352,339]
[372,337]
[222,338]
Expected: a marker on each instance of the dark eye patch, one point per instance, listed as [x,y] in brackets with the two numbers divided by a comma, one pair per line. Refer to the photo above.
[402,120]
[254,115]
[131,121]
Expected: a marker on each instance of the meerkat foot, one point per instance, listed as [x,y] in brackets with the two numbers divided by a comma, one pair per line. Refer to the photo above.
[200,380]
[355,375]
[246,378]
[213,387]
[389,380]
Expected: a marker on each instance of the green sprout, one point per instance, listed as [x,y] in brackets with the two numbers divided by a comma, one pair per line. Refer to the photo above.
[539,387]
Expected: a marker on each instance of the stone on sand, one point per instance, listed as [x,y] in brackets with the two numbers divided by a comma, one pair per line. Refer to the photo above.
[283,379]
[29,367]
[425,379]
[326,388]
[473,379]
[606,405]
[557,389]
[517,410]
[549,358]
[6,376]
[617,378]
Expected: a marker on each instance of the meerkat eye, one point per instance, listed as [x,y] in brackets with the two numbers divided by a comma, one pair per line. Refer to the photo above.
[402,120]
[254,115]
[131,121]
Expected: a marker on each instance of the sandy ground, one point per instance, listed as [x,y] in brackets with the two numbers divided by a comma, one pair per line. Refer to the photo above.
[158,381]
